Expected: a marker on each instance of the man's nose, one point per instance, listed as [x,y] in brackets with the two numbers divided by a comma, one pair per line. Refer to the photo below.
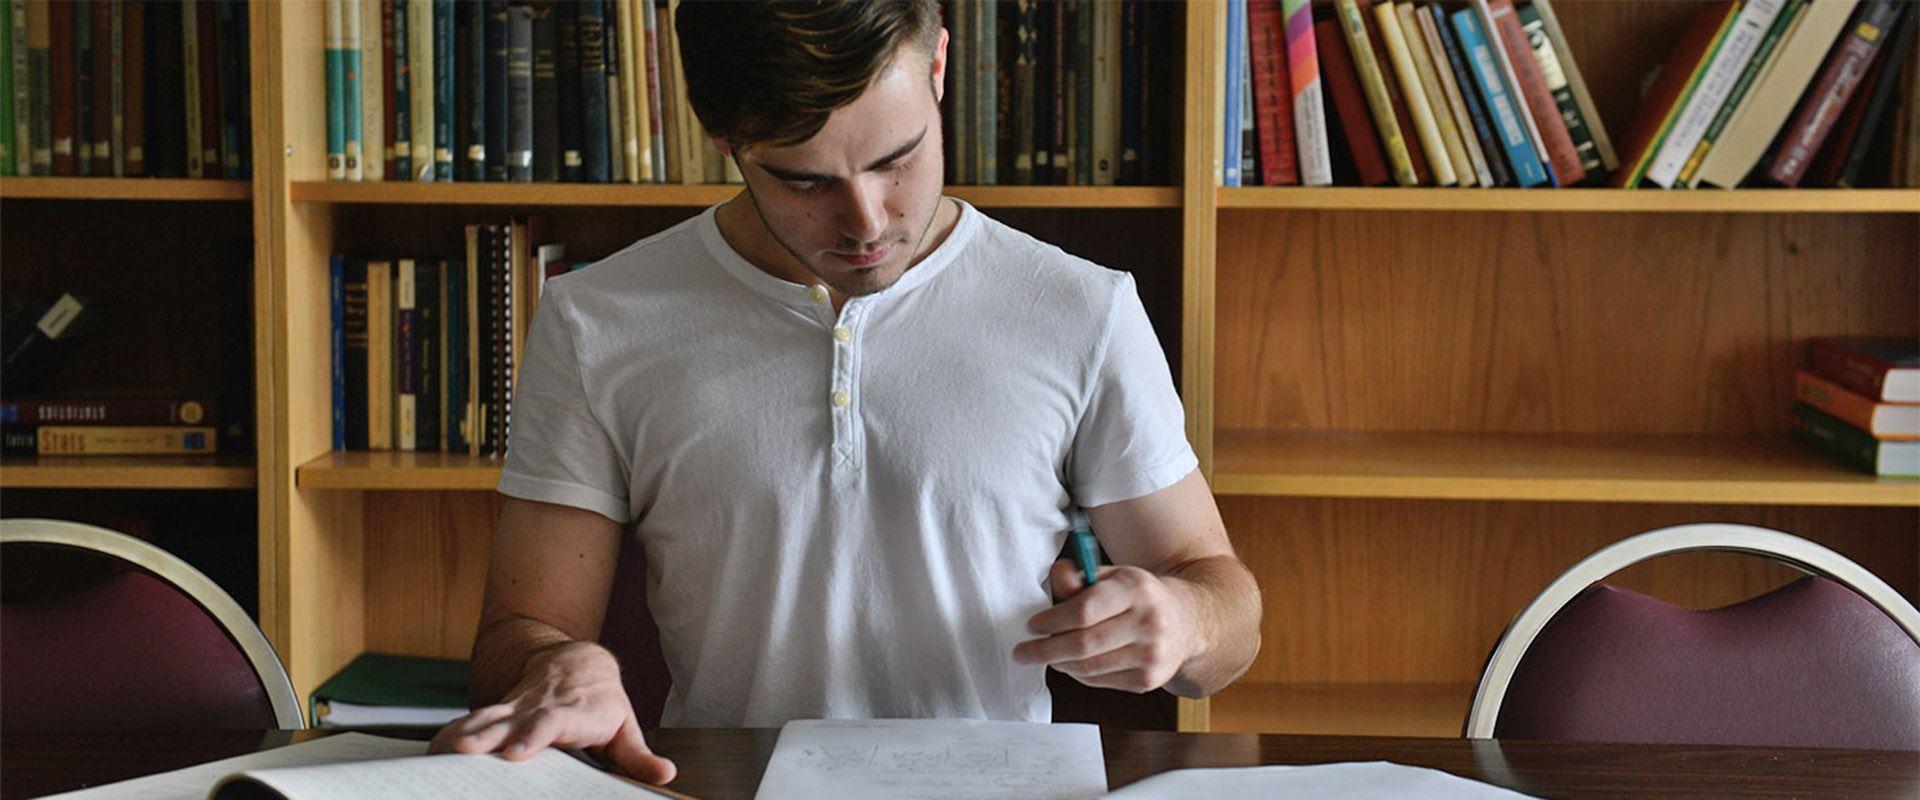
[863,216]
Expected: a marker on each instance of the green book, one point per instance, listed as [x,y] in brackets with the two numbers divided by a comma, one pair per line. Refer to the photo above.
[1887,458]
[380,690]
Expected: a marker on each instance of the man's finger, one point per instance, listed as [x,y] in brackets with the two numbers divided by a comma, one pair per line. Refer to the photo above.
[628,750]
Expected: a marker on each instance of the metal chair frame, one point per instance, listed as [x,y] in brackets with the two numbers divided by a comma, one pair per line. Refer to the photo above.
[1773,545]
[190,581]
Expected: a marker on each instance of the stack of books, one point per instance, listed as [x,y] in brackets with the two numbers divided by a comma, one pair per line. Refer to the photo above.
[1858,400]
[384,690]
[1488,93]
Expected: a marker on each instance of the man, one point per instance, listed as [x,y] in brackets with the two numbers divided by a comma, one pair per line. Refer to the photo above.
[847,418]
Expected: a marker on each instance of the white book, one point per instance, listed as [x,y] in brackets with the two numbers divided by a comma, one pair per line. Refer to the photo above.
[1771,98]
[353,110]
[373,103]
[420,87]
[1498,45]
[1729,60]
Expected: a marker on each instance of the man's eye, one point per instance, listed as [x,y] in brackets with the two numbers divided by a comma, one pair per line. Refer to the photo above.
[803,187]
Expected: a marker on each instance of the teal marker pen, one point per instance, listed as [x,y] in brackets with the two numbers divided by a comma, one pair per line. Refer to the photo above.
[1085,548]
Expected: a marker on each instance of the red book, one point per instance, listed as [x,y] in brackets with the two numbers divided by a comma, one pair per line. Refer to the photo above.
[107,411]
[1657,107]
[210,33]
[1825,169]
[1561,153]
[60,74]
[1401,113]
[133,96]
[388,127]
[1272,94]
[1343,88]
[103,58]
[1882,368]
[1841,75]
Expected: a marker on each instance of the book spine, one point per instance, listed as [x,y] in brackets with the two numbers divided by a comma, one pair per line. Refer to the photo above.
[1309,98]
[1356,122]
[618,170]
[13,53]
[1421,85]
[106,411]
[211,158]
[1725,66]
[110,439]
[399,100]
[593,92]
[1478,116]
[1844,68]
[406,407]
[1402,114]
[1589,112]
[1553,69]
[1762,60]
[336,341]
[1373,83]
[545,104]
[60,109]
[1543,113]
[373,91]
[1456,109]
[1882,420]
[443,79]
[166,113]
[653,42]
[420,87]
[493,87]
[427,358]
[83,80]
[380,355]
[1060,155]
[106,85]
[1852,446]
[1272,94]
[572,159]
[519,94]
[1022,87]
[1856,371]
[134,100]
[350,89]
[32,92]
[1885,86]
[639,165]
[1507,118]
[458,316]
[470,92]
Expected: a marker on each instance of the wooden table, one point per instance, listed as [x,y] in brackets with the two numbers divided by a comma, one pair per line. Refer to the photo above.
[719,764]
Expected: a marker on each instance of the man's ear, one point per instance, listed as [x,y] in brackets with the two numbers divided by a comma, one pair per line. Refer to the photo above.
[725,148]
[940,68]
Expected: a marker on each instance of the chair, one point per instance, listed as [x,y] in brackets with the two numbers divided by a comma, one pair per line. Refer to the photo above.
[146,642]
[1830,660]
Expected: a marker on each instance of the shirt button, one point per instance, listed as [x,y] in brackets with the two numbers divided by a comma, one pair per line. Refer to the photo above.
[842,335]
[819,294]
[841,399]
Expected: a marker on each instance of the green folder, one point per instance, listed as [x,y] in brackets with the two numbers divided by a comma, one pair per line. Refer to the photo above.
[381,690]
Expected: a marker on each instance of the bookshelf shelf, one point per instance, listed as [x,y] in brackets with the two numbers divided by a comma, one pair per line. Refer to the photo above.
[1742,201]
[1348,709]
[386,470]
[128,472]
[1561,468]
[125,189]
[575,194]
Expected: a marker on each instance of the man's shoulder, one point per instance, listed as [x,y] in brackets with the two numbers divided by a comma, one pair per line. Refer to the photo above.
[1021,262]
[644,265]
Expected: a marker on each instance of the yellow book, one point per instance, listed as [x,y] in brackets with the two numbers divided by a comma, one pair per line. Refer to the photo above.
[1437,96]
[111,439]
[1373,84]
[1415,91]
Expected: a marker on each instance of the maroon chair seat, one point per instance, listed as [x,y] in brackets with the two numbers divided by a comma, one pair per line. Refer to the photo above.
[1830,660]
[142,641]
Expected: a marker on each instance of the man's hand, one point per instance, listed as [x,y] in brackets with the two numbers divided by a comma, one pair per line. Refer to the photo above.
[571,696]
[1130,630]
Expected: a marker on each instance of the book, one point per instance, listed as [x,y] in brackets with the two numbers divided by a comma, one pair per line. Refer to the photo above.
[1235,47]
[109,439]
[1309,99]
[1479,118]
[1756,121]
[520,122]
[1662,100]
[1420,109]
[1848,127]
[1465,123]
[1396,99]
[426,353]
[380,354]
[350,390]
[38,142]
[391,690]
[545,109]
[34,342]
[1763,58]
[1350,105]
[572,132]
[83,81]
[469,92]
[212,157]
[1838,79]
[15,109]
[1722,70]
[1881,368]
[1577,83]
[1553,67]
[1895,59]
[350,89]
[374,88]
[1882,420]
[406,395]
[1887,458]
[1523,74]
[1373,84]
[399,98]
[106,411]
[595,166]
[1272,94]
[441,13]
[420,87]
[1516,143]
[1454,147]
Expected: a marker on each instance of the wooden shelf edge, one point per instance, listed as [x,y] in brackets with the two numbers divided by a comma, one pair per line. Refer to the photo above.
[1737,201]
[1571,468]
[1346,709]
[66,188]
[338,471]
[576,194]
[126,472]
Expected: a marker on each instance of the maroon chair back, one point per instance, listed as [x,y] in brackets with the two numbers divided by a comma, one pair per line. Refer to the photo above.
[130,652]
[631,635]
[1810,664]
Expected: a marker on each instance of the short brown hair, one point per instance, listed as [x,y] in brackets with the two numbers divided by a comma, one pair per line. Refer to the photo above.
[771,72]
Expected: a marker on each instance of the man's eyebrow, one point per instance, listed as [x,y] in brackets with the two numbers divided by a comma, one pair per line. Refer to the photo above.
[802,177]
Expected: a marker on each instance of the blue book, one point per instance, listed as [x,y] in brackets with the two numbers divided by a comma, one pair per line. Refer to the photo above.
[1483,131]
[402,117]
[443,77]
[593,92]
[1230,120]
[494,41]
[350,90]
[336,91]
[336,295]
[454,353]
[1514,141]
[1132,116]
[353,351]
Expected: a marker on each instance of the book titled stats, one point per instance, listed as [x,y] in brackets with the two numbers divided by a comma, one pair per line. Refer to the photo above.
[107,439]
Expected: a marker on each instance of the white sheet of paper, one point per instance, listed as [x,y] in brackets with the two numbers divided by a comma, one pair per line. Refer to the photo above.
[1351,781]
[934,759]
[549,775]
[192,783]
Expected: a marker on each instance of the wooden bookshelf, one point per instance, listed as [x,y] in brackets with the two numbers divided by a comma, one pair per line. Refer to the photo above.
[1739,201]
[129,472]
[399,470]
[525,195]
[47,188]
[1347,709]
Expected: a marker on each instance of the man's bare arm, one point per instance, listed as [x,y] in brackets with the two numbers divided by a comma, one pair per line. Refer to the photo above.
[1178,610]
